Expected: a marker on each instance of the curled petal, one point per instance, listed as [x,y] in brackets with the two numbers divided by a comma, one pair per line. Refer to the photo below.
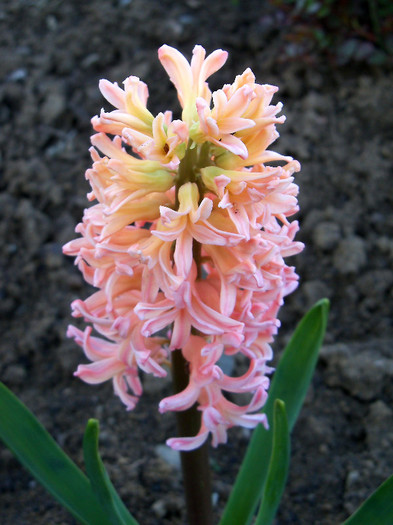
[121,388]
[181,401]
[100,371]
[188,443]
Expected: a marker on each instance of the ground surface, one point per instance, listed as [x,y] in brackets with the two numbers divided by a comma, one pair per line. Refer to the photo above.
[339,125]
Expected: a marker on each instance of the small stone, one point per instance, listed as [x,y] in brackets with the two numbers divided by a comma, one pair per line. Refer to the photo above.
[166,507]
[52,23]
[379,427]
[356,370]
[170,456]
[313,217]
[375,282]
[53,106]
[326,235]
[352,478]
[360,480]
[90,60]
[34,225]
[172,28]
[385,245]
[159,507]
[15,375]
[17,75]
[350,255]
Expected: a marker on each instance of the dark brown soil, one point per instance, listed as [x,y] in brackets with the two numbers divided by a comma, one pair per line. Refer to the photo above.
[339,125]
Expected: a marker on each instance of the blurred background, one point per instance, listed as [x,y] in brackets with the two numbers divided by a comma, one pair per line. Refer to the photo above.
[332,61]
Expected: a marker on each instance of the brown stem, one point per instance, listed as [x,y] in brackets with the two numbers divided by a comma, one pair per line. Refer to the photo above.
[197,254]
[195,463]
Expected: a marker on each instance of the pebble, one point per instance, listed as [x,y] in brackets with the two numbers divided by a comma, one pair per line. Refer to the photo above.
[167,506]
[53,106]
[170,456]
[34,225]
[170,29]
[358,369]
[385,245]
[350,255]
[14,375]
[90,60]
[326,235]
[379,429]
[353,477]
[160,508]
[312,219]
[375,282]
[17,75]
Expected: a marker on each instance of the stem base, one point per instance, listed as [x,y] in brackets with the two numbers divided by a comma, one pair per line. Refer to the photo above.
[195,463]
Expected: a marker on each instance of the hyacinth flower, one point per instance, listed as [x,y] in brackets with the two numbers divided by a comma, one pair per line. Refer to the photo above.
[186,245]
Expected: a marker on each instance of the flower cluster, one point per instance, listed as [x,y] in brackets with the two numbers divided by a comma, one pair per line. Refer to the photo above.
[186,242]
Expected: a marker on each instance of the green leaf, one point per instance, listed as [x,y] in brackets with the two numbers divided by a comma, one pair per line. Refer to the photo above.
[40,454]
[378,508]
[278,466]
[99,479]
[290,383]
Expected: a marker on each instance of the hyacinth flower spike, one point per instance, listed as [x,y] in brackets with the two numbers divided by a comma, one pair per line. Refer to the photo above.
[186,244]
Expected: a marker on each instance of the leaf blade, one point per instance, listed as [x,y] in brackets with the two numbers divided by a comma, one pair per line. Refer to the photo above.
[100,481]
[278,467]
[38,452]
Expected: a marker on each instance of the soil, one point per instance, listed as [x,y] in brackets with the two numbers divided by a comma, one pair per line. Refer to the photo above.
[339,125]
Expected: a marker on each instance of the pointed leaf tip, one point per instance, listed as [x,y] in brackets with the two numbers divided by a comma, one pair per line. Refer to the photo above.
[105,492]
